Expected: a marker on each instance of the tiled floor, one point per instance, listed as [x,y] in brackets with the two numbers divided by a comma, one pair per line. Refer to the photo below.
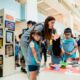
[44,75]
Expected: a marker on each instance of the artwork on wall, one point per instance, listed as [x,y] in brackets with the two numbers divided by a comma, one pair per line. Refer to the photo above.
[10,25]
[1,59]
[1,43]
[1,65]
[1,32]
[9,50]
[9,36]
[1,20]
[9,17]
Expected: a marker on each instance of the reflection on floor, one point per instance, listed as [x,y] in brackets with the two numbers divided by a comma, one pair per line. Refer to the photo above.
[44,75]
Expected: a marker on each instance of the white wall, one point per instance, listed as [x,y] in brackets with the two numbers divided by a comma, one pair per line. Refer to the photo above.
[11,5]
[41,17]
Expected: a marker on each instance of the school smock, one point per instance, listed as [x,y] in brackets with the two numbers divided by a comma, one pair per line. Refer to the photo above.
[29,55]
[68,46]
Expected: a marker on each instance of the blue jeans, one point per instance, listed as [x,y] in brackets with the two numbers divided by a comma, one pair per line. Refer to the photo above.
[56,60]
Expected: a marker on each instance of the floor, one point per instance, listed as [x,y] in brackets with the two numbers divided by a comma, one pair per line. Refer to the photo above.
[44,75]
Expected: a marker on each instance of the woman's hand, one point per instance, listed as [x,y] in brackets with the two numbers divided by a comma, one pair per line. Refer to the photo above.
[54,37]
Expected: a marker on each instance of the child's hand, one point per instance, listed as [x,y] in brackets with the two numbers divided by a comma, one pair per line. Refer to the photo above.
[69,53]
[38,62]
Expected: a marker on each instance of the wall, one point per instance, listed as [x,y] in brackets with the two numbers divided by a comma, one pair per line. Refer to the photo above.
[11,5]
[19,28]
[41,17]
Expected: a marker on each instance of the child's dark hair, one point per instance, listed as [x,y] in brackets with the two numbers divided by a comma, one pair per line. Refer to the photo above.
[34,32]
[68,30]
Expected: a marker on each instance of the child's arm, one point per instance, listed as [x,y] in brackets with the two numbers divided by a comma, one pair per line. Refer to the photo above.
[34,52]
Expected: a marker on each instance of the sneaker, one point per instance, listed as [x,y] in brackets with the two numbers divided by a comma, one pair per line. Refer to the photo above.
[17,65]
[23,70]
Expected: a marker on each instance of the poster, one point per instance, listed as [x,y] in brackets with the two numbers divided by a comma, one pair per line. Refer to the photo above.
[10,25]
[9,50]
[1,43]
[9,17]
[1,32]
[1,65]
[9,36]
[1,21]
[1,59]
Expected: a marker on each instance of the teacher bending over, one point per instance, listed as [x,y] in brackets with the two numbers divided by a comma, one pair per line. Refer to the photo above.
[51,35]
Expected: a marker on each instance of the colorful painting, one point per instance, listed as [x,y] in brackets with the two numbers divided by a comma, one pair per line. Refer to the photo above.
[9,17]
[1,20]
[1,42]
[1,32]
[9,50]
[1,59]
[10,25]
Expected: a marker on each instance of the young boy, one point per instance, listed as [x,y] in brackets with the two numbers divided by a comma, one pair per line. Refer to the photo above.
[69,45]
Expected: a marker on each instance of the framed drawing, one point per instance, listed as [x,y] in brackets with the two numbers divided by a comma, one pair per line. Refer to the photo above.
[1,42]
[9,17]
[9,50]
[1,59]
[9,36]
[10,25]
[1,32]
[1,20]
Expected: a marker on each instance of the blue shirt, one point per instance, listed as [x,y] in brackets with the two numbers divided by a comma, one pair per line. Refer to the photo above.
[30,57]
[68,46]
[16,49]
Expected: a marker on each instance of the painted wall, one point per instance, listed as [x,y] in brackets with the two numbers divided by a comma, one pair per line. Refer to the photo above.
[11,5]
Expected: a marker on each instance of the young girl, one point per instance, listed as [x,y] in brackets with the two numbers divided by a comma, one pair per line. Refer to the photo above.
[69,45]
[33,54]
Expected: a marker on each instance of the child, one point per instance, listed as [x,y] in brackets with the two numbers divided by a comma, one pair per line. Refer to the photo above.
[33,54]
[17,53]
[69,45]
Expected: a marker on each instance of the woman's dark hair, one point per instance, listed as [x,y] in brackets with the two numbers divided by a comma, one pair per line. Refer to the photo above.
[29,22]
[48,31]
[33,33]
[34,23]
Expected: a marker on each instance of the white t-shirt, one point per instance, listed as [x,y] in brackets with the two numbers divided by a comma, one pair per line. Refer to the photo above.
[31,44]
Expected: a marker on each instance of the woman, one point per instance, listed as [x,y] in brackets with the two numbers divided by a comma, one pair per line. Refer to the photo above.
[54,40]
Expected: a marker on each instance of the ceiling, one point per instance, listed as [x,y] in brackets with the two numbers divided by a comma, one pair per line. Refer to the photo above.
[21,1]
[59,9]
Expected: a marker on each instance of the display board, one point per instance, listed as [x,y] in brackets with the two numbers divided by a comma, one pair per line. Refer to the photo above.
[7,43]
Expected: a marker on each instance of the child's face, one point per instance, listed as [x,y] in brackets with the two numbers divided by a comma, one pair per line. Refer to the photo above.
[67,35]
[36,37]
